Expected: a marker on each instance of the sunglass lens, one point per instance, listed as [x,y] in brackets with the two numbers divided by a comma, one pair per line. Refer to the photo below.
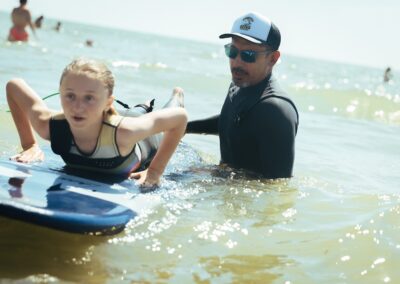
[248,56]
[231,51]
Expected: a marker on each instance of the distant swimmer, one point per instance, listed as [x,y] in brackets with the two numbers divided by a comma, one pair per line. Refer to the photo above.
[21,17]
[58,26]
[89,42]
[388,75]
[39,22]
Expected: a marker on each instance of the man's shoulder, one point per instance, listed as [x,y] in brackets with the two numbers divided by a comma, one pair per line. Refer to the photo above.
[276,101]
[275,108]
[21,12]
[275,95]
[274,105]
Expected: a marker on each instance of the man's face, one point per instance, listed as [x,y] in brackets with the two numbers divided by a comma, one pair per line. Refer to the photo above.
[245,74]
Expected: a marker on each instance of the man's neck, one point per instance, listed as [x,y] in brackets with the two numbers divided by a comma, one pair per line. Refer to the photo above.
[265,79]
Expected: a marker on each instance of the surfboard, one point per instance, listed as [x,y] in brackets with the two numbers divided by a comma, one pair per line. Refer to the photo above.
[59,200]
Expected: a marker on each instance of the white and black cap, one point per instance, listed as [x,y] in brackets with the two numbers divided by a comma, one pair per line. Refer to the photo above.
[256,28]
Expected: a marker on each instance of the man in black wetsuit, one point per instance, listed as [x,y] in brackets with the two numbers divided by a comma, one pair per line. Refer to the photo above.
[258,122]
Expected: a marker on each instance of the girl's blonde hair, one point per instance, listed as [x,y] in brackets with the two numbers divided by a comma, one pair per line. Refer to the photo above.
[92,69]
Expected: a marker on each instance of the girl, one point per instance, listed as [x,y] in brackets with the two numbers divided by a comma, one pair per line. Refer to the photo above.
[89,134]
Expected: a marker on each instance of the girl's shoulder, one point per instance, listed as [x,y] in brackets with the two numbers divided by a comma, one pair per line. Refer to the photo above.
[58,116]
[113,119]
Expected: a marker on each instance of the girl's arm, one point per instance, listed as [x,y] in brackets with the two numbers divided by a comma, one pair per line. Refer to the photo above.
[172,121]
[29,113]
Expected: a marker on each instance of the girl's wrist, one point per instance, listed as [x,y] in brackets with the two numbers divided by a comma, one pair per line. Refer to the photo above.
[153,172]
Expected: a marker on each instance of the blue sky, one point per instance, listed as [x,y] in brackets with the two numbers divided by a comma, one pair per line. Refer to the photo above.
[353,31]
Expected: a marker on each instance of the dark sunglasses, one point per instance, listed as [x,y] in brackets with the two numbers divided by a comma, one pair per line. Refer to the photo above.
[249,56]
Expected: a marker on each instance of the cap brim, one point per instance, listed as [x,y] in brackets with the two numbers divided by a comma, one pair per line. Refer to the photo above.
[246,37]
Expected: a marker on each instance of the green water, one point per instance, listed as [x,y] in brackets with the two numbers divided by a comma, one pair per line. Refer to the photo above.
[336,221]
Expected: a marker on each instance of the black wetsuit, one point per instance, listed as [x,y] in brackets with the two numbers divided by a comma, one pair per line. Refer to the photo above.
[257,128]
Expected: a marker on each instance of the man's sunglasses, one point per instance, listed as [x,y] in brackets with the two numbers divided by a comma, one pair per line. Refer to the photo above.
[249,56]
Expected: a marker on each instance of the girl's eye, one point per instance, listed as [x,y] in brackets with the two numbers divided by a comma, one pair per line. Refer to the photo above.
[89,98]
[70,96]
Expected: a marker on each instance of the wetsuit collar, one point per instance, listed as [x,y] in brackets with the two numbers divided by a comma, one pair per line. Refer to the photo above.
[244,98]
[260,85]
[254,91]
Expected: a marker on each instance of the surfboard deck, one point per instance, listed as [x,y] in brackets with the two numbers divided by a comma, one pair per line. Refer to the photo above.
[59,200]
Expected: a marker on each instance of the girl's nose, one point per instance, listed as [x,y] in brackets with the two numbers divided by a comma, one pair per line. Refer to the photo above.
[78,104]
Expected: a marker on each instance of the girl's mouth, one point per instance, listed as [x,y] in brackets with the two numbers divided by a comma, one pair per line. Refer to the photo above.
[77,118]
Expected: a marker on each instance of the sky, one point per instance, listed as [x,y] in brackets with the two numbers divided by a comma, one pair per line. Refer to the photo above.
[359,32]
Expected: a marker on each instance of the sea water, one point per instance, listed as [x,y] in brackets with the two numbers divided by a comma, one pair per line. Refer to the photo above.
[336,221]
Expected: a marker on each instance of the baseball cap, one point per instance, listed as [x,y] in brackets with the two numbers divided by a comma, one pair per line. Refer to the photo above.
[255,28]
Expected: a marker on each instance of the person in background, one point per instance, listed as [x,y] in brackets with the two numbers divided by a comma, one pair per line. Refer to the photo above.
[89,43]
[258,122]
[39,22]
[57,27]
[89,134]
[21,18]
[387,76]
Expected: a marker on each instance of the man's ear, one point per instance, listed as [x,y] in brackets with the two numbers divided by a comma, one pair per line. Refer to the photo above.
[275,56]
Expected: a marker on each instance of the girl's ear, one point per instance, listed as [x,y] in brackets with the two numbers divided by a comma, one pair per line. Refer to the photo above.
[109,107]
[110,101]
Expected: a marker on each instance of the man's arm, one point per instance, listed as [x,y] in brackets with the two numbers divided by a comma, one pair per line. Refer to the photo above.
[276,141]
[204,126]
[31,25]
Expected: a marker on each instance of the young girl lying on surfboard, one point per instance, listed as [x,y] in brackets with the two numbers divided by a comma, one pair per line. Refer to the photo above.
[89,133]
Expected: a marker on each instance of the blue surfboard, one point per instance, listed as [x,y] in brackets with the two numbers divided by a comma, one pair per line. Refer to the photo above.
[68,202]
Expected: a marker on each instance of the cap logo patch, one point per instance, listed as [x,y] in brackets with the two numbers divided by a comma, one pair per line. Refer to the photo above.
[247,23]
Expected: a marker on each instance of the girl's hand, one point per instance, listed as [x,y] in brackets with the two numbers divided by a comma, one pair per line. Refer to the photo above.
[148,180]
[30,155]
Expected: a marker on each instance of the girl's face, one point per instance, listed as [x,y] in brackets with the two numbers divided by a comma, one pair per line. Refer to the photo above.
[84,100]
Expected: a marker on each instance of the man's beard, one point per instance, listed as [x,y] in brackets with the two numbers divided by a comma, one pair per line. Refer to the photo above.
[239,71]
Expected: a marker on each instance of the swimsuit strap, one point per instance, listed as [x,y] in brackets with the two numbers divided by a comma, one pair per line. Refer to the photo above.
[60,134]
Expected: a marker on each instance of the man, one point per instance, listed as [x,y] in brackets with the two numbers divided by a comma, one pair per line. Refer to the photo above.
[258,122]
[21,17]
